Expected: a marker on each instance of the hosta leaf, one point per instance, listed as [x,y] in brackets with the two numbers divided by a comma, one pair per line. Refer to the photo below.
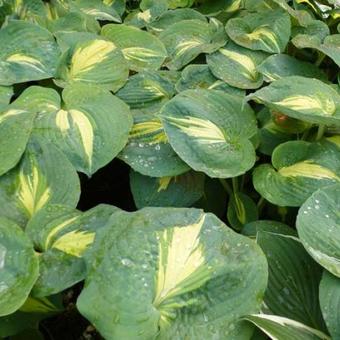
[280,66]
[303,98]
[96,8]
[277,128]
[299,168]
[186,39]
[28,53]
[180,3]
[210,131]
[74,21]
[27,9]
[174,258]
[318,225]
[147,91]
[148,150]
[63,235]
[251,229]
[37,180]
[142,50]
[280,328]
[173,16]
[316,30]
[241,210]
[95,61]
[19,267]
[330,301]
[68,40]
[151,11]
[237,66]
[177,191]
[15,129]
[28,316]
[90,125]
[267,31]
[200,77]
[290,268]
[329,46]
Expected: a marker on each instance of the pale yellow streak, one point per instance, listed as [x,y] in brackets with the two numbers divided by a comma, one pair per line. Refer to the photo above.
[97,12]
[264,32]
[19,58]
[139,53]
[56,230]
[29,194]
[10,113]
[143,129]
[187,45]
[306,103]
[163,183]
[308,169]
[86,58]
[84,126]
[335,140]
[245,61]
[204,130]
[75,242]
[180,256]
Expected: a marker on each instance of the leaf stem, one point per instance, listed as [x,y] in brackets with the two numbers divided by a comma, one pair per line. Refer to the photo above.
[320,59]
[321,131]
[260,205]
[226,186]
[234,181]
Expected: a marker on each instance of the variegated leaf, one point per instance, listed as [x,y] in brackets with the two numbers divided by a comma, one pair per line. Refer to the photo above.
[166,254]
[207,131]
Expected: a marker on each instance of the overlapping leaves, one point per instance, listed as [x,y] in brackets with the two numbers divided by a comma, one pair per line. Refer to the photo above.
[204,101]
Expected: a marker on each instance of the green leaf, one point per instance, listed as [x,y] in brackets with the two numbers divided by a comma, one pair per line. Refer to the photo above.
[329,46]
[95,61]
[20,60]
[89,125]
[178,191]
[266,226]
[207,131]
[299,168]
[147,91]
[37,180]
[330,301]
[267,31]
[241,210]
[318,225]
[187,39]
[173,16]
[280,328]
[180,3]
[310,100]
[19,267]
[15,128]
[96,8]
[28,316]
[142,50]
[148,150]
[237,66]
[63,235]
[73,21]
[290,269]
[200,77]
[174,259]
[6,92]
[280,66]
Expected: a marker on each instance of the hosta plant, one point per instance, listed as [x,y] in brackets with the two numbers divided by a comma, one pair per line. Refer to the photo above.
[170,169]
